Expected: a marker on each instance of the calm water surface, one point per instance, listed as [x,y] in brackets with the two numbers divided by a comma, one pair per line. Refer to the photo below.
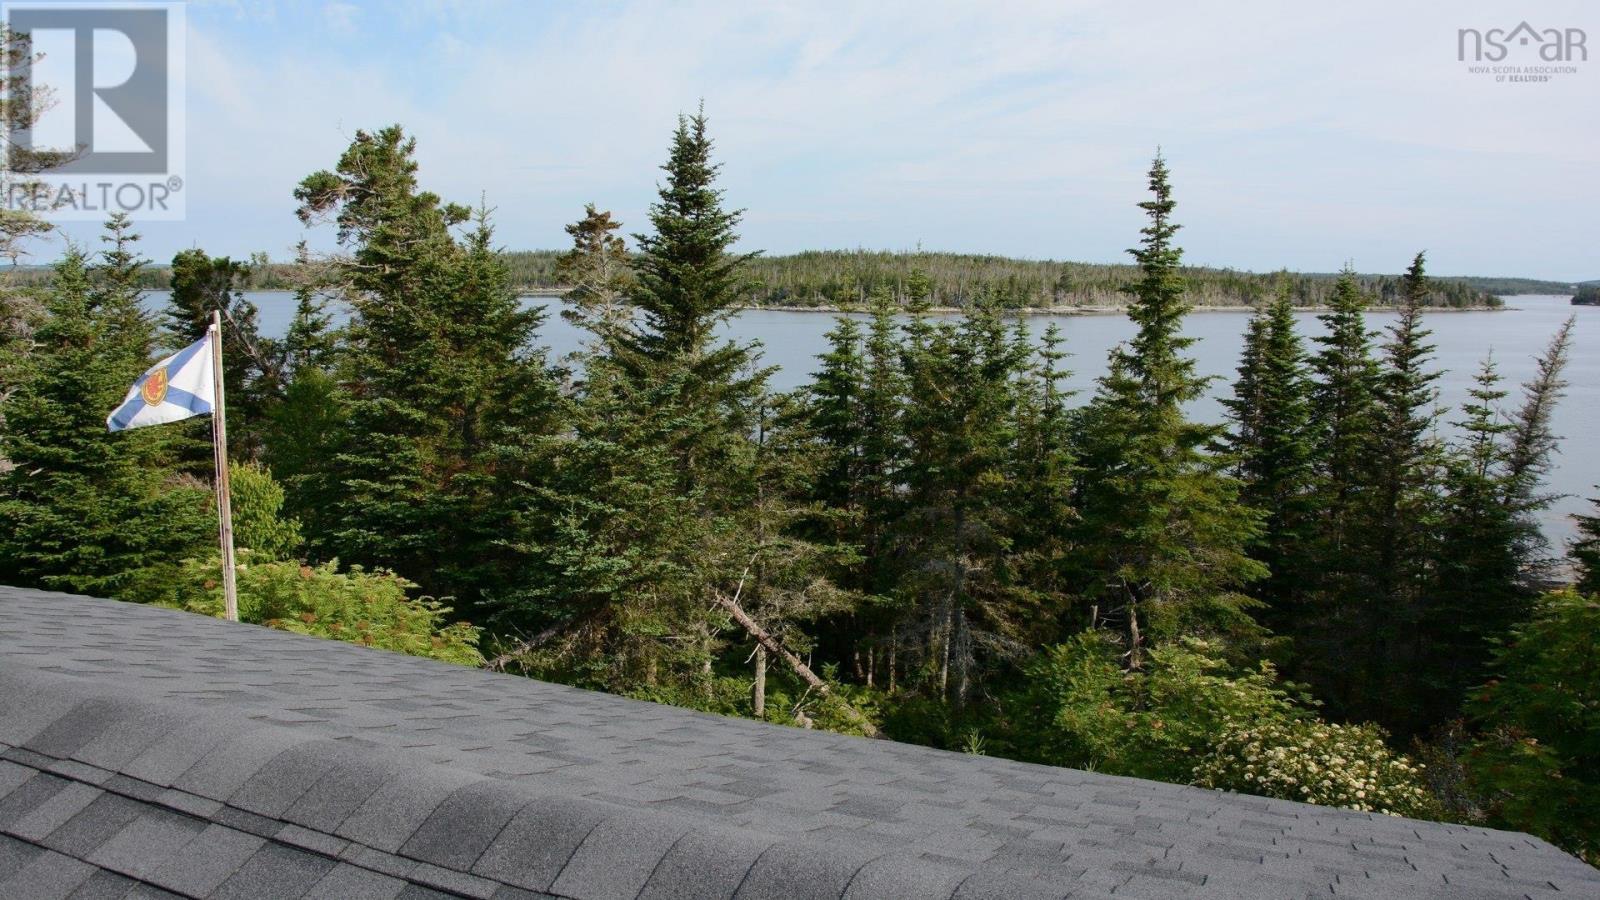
[792,340]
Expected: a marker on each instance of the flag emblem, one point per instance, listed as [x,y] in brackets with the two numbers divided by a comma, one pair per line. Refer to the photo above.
[154,389]
[175,388]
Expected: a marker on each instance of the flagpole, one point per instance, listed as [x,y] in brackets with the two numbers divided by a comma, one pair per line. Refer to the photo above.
[219,447]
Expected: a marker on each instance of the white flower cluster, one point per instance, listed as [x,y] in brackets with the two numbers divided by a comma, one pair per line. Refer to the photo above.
[1314,762]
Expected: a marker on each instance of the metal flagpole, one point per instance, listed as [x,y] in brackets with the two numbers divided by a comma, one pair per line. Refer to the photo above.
[219,447]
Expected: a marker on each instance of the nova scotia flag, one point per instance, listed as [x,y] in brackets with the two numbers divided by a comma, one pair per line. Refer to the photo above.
[175,388]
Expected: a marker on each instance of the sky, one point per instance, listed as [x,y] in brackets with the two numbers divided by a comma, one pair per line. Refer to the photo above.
[1300,136]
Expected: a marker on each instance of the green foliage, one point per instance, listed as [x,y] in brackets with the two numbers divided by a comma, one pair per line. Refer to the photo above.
[1537,764]
[597,271]
[648,516]
[258,523]
[361,607]
[83,509]
[441,393]
[1586,552]
[1271,451]
[819,278]
[1080,707]
[1248,732]
[1162,534]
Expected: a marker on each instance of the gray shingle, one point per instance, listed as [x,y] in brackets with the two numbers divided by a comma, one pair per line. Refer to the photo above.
[54,812]
[104,885]
[83,834]
[30,795]
[15,855]
[395,811]
[230,766]
[535,845]
[275,871]
[618,855]
[346,882]
[456,833]
[288,776]
[802,872]
[49,876]
[704,864]
[82,724]
[342,791]
[145,843]
[205,862]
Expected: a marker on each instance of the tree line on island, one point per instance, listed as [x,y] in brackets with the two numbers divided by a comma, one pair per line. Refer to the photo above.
[838,279]
[1323,600]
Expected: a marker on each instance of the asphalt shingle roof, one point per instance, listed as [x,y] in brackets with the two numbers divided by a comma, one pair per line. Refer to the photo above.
[151,753]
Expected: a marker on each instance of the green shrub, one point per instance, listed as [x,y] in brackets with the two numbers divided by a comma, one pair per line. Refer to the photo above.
[367,608]
[258,521]
[1248,731]
[1082,709]
[1536,766]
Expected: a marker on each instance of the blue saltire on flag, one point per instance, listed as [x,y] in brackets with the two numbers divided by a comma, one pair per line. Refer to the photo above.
[175,388]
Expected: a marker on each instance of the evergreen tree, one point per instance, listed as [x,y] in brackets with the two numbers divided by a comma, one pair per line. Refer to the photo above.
[1586,552]
[1532,444]
[1336,565]
[1162,535]
[1270,446]
[306,423]
[1404,516]
[84,509]
[647,508]
[597,272]
[854,408]
[955,535]
[250,369]
[439,375]
[1042,479]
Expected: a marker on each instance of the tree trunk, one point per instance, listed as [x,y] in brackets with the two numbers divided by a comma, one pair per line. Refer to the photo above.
[795,663]
[758,692]
[1135,639]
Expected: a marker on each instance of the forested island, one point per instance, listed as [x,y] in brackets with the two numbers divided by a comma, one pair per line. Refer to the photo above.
[1324,600]
[1588,294]
[844,279]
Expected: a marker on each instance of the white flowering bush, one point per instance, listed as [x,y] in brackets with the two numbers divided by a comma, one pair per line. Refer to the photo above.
[1315,762]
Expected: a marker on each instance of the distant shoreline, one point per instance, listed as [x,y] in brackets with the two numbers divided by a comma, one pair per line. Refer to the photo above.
[1100,310]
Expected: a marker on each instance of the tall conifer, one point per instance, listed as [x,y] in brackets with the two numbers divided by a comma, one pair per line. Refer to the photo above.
[1270,446]
[1162,534]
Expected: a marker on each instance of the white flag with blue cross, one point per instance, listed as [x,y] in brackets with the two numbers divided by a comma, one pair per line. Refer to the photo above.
[175,388]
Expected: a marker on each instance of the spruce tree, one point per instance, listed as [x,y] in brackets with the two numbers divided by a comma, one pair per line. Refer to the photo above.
[1475,597]
[1585,552]
[1043,478]
[1336,564]
[1270,447]
[83,509]
[1404,517]
[201,284]
[597,272]
[1529,458]
[954,537]
[441,377]
[647,507]
[854,409]
[1162,536]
